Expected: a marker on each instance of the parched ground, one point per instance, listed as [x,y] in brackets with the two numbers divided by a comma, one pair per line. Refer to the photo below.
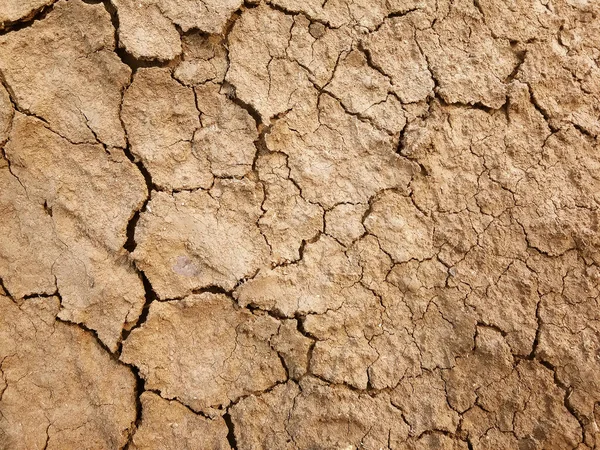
[299,224]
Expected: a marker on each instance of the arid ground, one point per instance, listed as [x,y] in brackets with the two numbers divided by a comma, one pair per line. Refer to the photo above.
[299,224]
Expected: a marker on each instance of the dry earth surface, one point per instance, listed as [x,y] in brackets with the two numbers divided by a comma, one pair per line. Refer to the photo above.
[299,224]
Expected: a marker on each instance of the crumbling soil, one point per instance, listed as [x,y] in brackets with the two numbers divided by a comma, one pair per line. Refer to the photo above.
[285,224]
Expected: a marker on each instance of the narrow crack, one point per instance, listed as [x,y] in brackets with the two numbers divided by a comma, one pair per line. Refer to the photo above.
[231,432]
[140,388]
[35,15]
[567,394]
[126,57]
[5,290]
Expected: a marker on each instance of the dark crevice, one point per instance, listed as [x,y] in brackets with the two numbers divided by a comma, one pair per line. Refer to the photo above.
[35,16]
[150,296]
[213,289]
[140,387]
[130,244]
[230,435]
[47,209]
[521,56]
[392,15]
[137,63]
[230,23]
[300,318]
[30,296]
[283,364]
[536,340]
[275,313]
[400,151]
[18,108]
[292,13]
[371,63]
[583,131]
[434,431]
[568,390]
[541,110]
[181,403]
[229,89]
[47,437]
[475,105]
[6,292]
[344,385]
[491,327]
[401,140]
[92,332]
[480,9]
[127,58]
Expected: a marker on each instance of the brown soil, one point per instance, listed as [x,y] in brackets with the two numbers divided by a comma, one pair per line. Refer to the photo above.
[299,224]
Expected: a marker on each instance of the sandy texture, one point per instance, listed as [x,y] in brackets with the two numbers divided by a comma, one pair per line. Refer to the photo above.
[59,388]
[285,224]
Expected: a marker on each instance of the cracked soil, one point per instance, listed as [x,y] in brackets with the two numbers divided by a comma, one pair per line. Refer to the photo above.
[299,224]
